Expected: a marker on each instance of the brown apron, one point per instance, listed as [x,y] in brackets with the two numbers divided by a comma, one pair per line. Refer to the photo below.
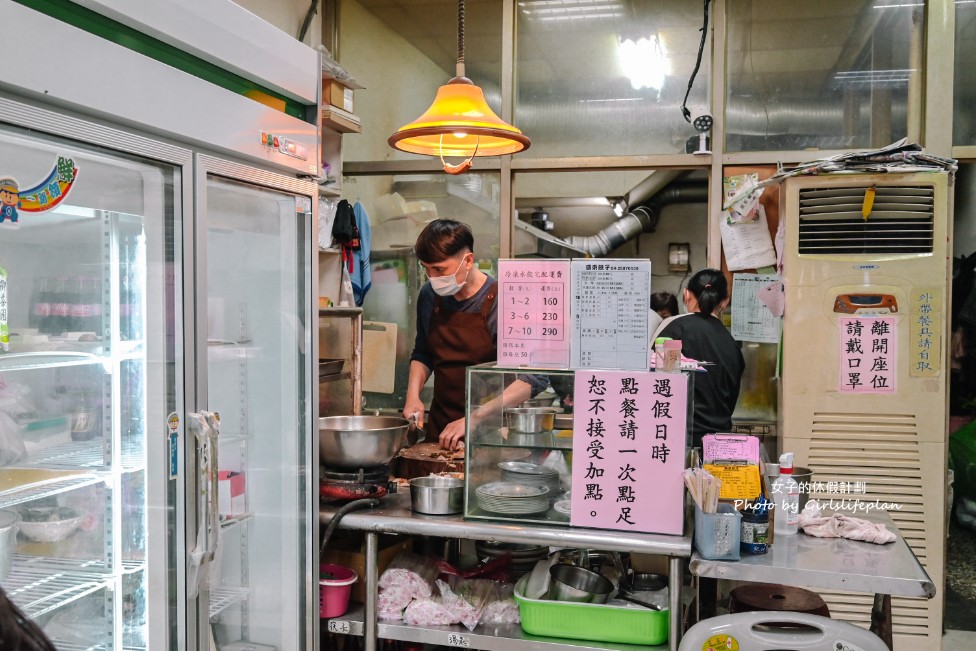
[458,340]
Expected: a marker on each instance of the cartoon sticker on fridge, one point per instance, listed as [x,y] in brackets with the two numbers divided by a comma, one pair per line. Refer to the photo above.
[42,196]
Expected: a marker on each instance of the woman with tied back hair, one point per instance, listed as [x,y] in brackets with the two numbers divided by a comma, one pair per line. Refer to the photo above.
[17,631]
[704,338]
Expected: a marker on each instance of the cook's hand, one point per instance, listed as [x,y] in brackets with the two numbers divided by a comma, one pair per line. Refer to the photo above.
[452,435]
[415,407]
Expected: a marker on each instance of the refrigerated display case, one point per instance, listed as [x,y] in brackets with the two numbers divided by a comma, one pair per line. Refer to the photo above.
[157,371]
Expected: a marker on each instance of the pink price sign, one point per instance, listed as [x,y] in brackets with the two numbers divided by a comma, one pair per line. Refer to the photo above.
[868,355]
[629,451]
[533,296]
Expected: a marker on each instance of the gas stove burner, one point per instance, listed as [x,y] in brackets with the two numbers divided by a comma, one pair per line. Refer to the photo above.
[365,482]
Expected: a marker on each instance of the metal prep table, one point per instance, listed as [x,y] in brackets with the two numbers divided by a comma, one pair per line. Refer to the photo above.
[394,516]
[834,564]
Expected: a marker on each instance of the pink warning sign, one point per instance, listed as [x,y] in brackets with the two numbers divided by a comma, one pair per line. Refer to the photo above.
[629,450]
[868,355]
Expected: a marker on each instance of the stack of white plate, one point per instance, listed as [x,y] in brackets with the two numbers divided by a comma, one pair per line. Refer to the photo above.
[562,507]
[510,498]
[521,472]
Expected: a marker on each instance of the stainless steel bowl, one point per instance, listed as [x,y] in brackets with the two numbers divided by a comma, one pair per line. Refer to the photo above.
[352,442]
[437,495]
[574,583]
[530,420]
[541,400]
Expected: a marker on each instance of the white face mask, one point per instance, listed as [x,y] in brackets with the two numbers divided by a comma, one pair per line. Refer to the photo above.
[448,285]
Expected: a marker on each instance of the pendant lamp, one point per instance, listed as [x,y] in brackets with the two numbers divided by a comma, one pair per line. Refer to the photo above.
[459,122]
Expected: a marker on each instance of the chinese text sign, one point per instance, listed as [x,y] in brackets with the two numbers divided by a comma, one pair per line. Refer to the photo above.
[533,315]
[629,451]
[925,332]
[868,355]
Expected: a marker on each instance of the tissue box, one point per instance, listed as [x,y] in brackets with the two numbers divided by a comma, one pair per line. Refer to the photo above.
[231,496]
[717,534]
[337,94]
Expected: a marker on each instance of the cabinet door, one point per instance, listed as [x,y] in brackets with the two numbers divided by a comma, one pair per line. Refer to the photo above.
[87,252]
[256,286]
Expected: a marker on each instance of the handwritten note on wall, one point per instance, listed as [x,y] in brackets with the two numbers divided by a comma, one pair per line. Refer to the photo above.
[533,313]
[868,355]
[629,451]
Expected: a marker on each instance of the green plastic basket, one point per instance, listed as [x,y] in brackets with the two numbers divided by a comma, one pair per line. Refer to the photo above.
[596,622]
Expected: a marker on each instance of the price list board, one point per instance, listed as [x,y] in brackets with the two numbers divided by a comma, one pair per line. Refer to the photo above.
[533,313]
[611,307]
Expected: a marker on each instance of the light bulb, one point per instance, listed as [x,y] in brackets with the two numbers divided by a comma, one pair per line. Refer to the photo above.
[459,134]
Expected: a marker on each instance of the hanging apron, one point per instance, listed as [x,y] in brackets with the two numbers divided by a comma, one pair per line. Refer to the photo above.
[458,340]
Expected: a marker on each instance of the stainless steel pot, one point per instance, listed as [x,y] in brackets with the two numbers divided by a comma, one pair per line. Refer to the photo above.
[9,522]
[530,420]
[573,583]
[352,442]
[437,495]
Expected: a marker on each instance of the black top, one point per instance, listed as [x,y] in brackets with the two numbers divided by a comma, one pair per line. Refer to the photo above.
[717,389]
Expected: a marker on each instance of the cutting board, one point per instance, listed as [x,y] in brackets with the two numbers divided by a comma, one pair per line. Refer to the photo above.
[379,356]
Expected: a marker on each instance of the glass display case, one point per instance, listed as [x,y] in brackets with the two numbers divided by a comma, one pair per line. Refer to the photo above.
[518,452]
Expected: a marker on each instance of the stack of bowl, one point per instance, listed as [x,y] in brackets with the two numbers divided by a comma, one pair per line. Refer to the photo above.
[524,557]
[521,472]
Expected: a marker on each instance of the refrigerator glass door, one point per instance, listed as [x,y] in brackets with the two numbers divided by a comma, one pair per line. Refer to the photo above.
[87,251]
[257,293]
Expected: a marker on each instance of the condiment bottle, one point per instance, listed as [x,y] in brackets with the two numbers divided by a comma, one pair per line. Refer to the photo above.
[659,354]
[786,493]
[754,535]
[672,356]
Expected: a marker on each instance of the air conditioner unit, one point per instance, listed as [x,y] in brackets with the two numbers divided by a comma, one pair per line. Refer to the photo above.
[887,440]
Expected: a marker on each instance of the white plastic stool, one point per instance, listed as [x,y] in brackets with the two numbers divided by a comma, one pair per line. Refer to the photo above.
[775,631]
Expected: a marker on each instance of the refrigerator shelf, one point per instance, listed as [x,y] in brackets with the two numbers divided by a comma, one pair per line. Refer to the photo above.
[27,562]
[67,646]
[225,596]
[47,488]
[46,359]
[85,454]
[227,522]
[38,592]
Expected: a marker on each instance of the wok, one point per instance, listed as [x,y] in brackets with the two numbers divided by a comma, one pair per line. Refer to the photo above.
[353,442]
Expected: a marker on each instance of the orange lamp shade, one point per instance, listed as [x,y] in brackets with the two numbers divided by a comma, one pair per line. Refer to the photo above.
[459,123]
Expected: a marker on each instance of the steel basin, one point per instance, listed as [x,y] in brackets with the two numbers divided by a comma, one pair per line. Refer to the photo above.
[437,495]
[530,420]
[353,442]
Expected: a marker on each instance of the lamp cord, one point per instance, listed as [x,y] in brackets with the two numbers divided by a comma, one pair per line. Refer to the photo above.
[691,80]
[460,41]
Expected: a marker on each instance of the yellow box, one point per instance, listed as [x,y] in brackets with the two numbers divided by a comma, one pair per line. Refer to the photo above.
[349,549]
[337,94]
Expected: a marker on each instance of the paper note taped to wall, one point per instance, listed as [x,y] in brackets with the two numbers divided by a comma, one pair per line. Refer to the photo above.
[747,245]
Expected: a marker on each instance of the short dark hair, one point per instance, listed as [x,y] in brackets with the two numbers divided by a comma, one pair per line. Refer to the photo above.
[664,301]
[709,288]
[442,239]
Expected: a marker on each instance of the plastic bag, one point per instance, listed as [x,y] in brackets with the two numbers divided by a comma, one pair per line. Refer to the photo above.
[12,447]
[502,609]
[428,612]
[413,573]
[466,598]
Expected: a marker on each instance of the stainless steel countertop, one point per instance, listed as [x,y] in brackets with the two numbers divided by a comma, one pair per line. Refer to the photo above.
[831,564]
[394,516]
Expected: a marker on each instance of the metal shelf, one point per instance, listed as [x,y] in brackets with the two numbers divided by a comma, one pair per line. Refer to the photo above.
[65,646]
[39,591]
[225,596]
[51,564]
[489,637]
[46,359]
[46,488]
[85,454]
[226,523]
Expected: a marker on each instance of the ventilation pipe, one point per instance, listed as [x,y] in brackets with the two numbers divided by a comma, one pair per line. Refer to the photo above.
[642,219]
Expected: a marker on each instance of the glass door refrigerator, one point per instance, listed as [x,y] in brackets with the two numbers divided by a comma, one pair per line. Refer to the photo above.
[157,450]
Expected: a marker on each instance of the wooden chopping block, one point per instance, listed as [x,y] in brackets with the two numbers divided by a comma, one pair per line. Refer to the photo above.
[423,459]
[379,356]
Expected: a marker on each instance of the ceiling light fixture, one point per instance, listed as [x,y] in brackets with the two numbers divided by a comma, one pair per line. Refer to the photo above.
[643,62]
[459,122]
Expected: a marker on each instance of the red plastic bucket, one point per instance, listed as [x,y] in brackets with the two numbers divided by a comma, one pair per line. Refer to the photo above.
[335,582]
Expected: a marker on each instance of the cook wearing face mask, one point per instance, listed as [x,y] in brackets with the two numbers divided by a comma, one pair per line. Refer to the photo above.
[457,327]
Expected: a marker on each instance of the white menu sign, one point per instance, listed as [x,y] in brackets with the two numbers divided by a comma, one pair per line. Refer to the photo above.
[611,308]
[533,314]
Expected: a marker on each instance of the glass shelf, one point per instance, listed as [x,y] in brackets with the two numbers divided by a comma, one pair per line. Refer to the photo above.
[34,490]
[67,646]
[39,591]
[225,596]
[541,441]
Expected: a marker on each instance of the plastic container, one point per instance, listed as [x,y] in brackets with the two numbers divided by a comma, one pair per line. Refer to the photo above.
[597,622]
[9,521]
[672,356]
[659,354]
[717,534]
[335,582]
[786,495]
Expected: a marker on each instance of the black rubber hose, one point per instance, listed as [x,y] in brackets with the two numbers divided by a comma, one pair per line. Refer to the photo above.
[355,505]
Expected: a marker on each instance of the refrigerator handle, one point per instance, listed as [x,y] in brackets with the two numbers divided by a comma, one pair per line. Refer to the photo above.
[213,508]
[205,490]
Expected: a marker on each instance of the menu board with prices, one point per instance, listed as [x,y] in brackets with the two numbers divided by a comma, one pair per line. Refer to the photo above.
[629,451]
[533,313]
[611,308]
[868,355]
